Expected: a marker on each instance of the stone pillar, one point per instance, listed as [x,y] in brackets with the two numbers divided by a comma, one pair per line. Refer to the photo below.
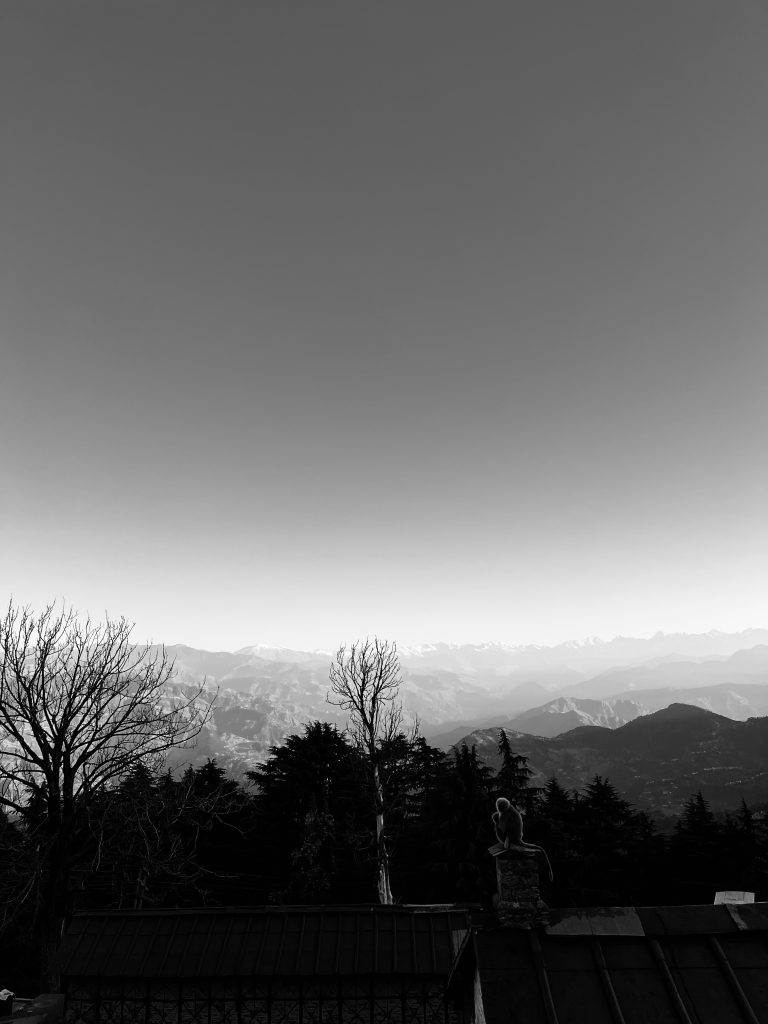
[518,901]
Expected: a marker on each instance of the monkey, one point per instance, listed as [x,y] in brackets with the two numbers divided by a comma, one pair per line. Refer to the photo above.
[508,825]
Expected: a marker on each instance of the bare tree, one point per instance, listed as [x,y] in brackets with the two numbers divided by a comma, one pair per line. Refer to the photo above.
[80,707]
[365,682]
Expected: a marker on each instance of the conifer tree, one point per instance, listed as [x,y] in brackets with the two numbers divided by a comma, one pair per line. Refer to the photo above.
[514,775]
[697,852]
[311,808]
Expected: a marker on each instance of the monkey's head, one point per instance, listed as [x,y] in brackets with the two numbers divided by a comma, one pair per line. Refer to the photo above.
[503,806]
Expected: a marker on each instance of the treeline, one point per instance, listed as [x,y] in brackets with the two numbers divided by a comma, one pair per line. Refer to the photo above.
[301,829]
[315,834]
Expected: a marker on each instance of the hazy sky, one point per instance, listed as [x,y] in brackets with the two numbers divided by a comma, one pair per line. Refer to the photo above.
[432,320]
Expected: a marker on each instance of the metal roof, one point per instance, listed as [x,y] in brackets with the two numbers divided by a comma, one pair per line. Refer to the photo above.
[669,965]
[271,941]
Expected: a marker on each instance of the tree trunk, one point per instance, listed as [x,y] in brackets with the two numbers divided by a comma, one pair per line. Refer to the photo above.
[51,933]
[382,854]
[55,894]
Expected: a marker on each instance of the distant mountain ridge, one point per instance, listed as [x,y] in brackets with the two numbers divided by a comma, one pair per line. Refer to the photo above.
[656,761]
[587,657]
[565,713]
[746,665]
[454,689]
[738,701]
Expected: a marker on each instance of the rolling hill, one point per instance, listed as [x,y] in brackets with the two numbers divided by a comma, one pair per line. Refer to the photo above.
[656,761]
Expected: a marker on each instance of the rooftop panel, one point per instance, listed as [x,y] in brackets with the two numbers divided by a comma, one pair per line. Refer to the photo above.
[596,921]
[703,920]
[688,963]
[268,942]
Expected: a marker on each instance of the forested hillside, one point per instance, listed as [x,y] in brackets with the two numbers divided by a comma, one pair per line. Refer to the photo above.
[656,761]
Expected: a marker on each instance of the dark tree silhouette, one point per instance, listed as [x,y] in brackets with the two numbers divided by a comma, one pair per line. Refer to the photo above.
[606,828]
[514,776]
[80,707]
[312,817]
[471,805]
[696,850]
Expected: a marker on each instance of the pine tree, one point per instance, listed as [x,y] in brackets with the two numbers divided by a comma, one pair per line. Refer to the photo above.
[310,779]
[607,831]
[697,821]
[697,852]
[513,777]
[471,806]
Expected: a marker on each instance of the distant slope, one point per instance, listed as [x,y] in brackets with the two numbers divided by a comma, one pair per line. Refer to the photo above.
[656,761]
[300,686]
[239,732]
[566,713]
[745,666]
[738,701]
[261,700]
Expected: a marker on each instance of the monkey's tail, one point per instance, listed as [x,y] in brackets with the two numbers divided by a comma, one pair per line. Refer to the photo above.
[549,866]
[543,852]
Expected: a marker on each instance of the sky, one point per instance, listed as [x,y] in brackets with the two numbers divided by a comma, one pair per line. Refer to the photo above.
[431,320]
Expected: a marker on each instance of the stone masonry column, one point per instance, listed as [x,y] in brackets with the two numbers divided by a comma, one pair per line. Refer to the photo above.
[518,900]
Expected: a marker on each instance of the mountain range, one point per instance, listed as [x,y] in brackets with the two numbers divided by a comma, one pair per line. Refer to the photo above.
[261,694]
[738,701]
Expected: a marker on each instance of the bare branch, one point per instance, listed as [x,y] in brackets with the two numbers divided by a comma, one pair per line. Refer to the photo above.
[365,682]
[80,706]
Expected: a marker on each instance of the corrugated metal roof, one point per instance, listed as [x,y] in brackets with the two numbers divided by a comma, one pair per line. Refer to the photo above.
[609,966]
[602,921]
[704,920]
[268,942]
[682,965]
